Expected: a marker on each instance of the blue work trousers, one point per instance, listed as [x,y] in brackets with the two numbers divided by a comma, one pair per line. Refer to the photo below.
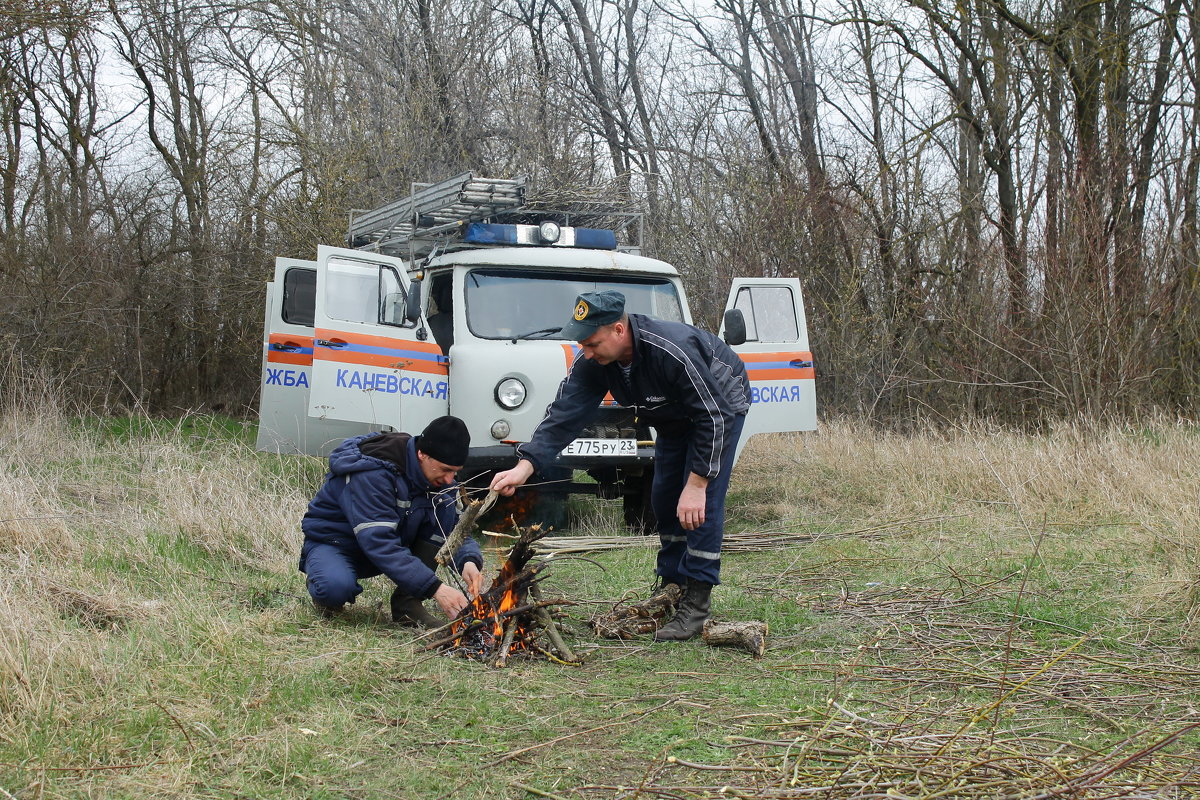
[689,554]
[334,572]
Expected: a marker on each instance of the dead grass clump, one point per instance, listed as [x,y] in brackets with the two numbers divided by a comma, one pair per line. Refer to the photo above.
[1078,473]
[837,753]
[30,519]
[39,657]
[219,503]
[102,611]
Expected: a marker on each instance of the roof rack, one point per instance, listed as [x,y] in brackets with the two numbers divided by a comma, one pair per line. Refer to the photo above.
[433,209]
[432,216]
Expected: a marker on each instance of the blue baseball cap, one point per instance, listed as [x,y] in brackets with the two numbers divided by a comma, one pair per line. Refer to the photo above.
[592,310]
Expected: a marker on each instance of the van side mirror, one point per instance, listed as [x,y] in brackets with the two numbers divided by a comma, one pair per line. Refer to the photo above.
[735,327]
[412,310]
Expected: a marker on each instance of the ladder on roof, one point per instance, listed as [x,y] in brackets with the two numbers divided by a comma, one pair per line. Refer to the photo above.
[433,210]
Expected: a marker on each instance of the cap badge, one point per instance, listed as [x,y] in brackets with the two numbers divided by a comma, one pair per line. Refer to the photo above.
[581,311]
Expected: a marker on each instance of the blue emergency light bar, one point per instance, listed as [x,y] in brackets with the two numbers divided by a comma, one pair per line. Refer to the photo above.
[595,238]
[493,233]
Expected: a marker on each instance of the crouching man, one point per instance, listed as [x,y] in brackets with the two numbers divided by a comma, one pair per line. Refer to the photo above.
[386,507]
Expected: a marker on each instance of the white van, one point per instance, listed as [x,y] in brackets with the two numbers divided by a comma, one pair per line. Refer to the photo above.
[466,323]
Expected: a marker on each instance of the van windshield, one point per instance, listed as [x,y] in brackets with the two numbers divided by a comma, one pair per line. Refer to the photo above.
[508,303]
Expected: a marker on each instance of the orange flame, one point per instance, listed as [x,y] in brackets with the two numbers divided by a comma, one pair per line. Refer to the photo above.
[480,627]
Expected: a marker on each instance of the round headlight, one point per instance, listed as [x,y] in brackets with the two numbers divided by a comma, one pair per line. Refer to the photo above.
[510,393]
[549,232]
[501,429]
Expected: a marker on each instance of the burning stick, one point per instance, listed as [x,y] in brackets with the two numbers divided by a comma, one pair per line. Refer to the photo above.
[510,630]
[543,615]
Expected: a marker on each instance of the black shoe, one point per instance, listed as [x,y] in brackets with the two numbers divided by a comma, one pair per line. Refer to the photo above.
[689,620]
[411,612]
[328,612]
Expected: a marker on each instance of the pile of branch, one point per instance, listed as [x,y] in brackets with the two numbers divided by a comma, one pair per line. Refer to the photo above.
[629,621]
[509,617]
[839,755]
[633,620]
[734,541]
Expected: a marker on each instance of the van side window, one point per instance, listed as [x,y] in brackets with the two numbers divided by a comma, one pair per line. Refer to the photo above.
[366,292]
[770,313]
[300,296]
[392,297]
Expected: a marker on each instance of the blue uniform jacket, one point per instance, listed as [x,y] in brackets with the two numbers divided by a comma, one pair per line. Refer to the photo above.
[369,506]
[685,382]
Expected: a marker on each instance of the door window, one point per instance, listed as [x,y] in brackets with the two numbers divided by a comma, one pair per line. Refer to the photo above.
[770,313]
[391,296]
[300,297]
[359,291]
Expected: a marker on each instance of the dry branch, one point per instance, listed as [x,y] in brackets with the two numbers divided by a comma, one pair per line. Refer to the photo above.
[465,525]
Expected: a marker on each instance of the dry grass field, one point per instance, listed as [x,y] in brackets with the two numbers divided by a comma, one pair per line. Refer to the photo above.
[967,613]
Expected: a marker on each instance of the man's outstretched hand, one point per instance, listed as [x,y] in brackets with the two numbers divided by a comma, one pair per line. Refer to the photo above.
[508,481]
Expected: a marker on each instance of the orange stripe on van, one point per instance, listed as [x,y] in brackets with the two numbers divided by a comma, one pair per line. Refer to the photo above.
[380,351]
[792,374]
[297,359]
[388,362]
[787,355]
[779,366]
[287,348]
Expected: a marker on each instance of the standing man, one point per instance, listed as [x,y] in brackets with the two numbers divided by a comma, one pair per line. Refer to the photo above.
[386,507]
[693,389]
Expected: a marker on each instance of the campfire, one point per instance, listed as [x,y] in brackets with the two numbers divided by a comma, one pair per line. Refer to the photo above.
[511,615]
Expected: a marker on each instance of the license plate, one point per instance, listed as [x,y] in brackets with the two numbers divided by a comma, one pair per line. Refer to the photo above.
[601,447]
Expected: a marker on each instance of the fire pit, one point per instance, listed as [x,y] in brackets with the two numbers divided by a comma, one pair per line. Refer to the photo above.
[511,615]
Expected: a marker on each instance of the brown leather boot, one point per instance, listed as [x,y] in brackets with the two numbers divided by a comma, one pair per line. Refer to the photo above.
[411,612]
[690,618]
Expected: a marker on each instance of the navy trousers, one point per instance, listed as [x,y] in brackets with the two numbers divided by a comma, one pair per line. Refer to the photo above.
[334,573]
[689,554]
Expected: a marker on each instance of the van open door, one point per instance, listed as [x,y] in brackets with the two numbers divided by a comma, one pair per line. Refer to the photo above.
[369,365]
[283,422]
[776,354]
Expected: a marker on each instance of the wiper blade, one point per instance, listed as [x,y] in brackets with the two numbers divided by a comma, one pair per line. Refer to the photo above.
[537,334]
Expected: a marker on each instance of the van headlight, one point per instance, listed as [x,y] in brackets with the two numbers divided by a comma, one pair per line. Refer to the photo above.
[510,393]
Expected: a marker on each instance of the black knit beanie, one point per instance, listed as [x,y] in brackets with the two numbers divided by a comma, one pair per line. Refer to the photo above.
[446,440]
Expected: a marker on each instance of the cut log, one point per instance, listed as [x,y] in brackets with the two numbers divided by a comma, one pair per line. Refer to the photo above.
[749,636]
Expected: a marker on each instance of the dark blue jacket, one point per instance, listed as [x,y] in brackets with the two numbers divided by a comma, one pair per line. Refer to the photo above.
[370,506]
[685,382]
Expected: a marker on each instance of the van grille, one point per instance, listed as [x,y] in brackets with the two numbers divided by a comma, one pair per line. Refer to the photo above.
[616,423]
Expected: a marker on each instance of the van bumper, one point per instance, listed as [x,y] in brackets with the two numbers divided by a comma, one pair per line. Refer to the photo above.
[504,456]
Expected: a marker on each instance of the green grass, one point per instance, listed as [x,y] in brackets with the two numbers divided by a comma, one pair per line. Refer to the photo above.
[156,640]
